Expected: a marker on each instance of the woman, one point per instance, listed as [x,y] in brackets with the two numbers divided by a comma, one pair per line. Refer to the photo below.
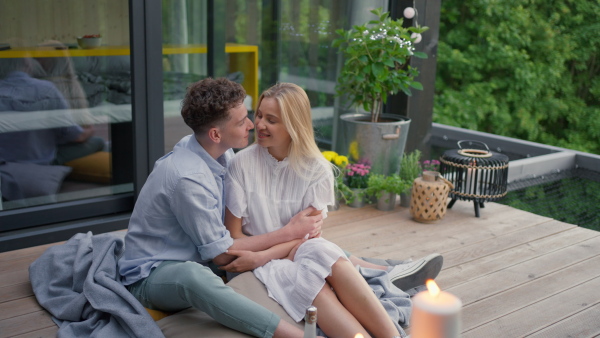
[271,181]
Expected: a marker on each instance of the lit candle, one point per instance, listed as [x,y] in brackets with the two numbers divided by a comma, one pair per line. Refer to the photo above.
[435,314]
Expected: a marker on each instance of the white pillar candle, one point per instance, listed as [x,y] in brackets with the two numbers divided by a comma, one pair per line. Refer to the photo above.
[435,314]
[468,180]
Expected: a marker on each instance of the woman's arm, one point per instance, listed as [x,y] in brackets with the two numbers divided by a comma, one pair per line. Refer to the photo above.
[292,231]
[234,225]
[247,260]
[301,224]
[255,251]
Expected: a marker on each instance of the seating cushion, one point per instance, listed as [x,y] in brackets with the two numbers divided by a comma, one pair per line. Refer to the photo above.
[92,168]
[26,180]
[195,323]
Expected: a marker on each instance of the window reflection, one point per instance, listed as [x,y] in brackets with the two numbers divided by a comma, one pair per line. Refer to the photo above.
[60,101]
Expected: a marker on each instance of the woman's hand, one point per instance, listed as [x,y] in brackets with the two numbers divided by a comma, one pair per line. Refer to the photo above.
[245,261]
[308,221]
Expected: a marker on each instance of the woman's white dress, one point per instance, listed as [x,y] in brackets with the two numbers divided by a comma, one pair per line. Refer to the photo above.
[266,194]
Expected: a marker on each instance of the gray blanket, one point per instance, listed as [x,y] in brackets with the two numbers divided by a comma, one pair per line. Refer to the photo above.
[78,283]
[396,302]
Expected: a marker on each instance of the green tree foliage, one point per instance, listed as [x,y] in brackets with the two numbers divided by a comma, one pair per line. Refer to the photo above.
[527,69]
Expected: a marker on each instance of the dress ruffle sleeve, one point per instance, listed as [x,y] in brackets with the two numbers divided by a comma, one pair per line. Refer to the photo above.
[320,193]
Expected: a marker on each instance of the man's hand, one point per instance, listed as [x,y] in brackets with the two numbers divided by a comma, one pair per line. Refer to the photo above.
[245,261]
[308,221]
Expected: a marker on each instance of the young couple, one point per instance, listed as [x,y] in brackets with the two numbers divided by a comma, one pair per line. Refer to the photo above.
[276,193]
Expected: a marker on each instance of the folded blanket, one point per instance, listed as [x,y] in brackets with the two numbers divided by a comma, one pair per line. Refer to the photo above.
[396,302]
[78,283]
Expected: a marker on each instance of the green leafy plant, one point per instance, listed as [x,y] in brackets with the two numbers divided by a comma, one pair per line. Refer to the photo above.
[349,177]
[344,192]
[357,175]
[410,167]
[523,69]
[430,165]
[376,61]
[379,183]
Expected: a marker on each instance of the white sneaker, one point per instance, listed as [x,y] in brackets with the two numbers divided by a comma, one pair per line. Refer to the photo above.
[410,275]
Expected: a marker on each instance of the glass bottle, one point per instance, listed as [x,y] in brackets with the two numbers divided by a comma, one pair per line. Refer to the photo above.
[310,322]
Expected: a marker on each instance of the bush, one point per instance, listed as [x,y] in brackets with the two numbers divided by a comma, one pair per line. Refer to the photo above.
[526,69]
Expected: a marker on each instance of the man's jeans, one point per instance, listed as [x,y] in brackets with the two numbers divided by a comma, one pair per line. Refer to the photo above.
[174,286]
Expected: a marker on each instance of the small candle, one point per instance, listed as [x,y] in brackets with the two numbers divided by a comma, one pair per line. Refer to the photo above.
[435,314]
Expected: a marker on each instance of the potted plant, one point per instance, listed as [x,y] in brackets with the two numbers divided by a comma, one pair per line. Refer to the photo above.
[376,65]
[410,169]
[385,188]
[356,178]
[341,190]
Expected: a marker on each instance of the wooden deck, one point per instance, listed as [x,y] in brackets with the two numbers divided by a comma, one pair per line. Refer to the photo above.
[517,274]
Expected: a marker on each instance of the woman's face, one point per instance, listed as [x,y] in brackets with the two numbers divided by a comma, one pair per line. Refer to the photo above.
[270,131]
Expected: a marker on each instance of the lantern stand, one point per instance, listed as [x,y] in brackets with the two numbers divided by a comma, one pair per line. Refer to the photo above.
[478,175]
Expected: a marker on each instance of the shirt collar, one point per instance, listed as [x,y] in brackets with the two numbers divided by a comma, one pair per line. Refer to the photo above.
[270,159]
[218,166]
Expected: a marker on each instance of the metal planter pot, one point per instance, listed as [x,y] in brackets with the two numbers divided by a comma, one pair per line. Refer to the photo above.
[381,144]
[360,200]
[386,202]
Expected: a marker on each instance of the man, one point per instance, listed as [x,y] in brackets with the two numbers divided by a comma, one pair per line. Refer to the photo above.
[21,92]
[176,230]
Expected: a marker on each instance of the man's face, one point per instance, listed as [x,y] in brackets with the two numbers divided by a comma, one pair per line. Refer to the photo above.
[235,131]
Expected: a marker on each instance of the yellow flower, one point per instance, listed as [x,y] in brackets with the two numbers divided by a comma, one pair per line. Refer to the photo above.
[329,155]
[353,150]
[341,161]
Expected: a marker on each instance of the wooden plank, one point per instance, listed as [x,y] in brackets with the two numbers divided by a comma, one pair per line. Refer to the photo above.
[17,264]
[47,332]
[583,324]
[537,316]
[404,237]
[524,272]
[486,265]
[14,277]
[504,242]
[26,323]
[12,292]
[502,304]
[32,251]
[347,215]
[18,307]
[354,224]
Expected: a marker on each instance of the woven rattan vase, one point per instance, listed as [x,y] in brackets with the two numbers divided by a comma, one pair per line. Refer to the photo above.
[429,197]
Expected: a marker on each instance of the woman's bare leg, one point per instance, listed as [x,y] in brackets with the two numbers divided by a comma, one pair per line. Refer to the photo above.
[358,298]
[333,318]
[357,261]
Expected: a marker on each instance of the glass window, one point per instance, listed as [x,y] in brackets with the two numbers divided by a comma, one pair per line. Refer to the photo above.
[65,102]
[184,31]
[184,59]
[266,42]
[294,39]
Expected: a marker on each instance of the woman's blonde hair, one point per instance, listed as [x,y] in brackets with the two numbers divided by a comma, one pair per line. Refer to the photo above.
[294,106]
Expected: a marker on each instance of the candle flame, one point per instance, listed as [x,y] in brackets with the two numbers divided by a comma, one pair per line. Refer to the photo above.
[433,288]
[359,335]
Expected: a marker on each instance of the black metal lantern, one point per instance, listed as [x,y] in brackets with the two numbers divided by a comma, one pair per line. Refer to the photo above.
[478,175]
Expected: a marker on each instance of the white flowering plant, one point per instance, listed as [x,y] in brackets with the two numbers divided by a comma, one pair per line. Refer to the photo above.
[376,62]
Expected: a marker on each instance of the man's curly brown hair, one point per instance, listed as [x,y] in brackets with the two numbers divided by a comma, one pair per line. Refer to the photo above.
[207,102]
